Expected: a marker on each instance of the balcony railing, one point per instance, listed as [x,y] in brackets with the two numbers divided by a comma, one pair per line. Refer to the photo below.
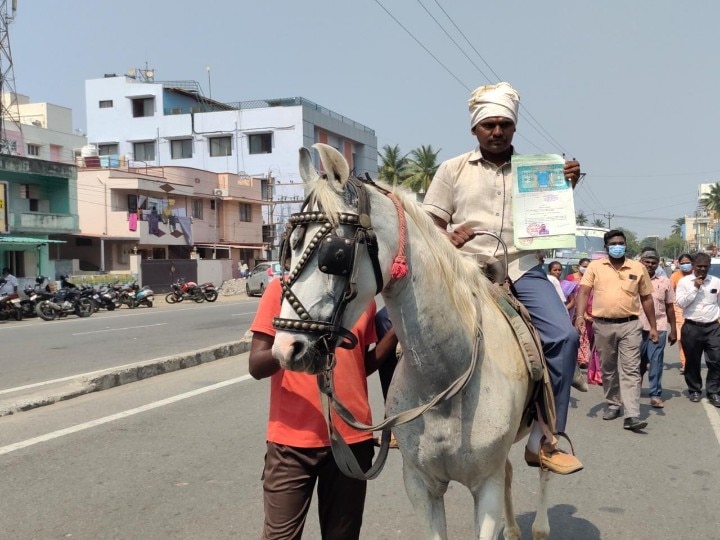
[43,223]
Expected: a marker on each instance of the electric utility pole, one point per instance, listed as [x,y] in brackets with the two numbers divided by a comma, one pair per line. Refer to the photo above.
[608,216]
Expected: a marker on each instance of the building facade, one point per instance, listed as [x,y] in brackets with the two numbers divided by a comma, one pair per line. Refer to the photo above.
[136,121]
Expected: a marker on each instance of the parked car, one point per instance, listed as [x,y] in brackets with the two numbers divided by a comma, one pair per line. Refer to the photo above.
[260,276]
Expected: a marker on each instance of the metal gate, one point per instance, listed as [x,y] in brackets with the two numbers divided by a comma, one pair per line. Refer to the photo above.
[160,273]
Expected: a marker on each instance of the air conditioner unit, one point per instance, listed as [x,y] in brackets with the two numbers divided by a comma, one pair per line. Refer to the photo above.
[220,192]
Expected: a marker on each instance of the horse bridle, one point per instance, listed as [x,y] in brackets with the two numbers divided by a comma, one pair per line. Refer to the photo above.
[336,256]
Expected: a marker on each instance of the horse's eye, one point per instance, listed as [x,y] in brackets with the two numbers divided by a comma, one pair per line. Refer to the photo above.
[297,236]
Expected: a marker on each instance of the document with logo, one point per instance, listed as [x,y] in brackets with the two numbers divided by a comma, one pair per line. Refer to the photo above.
[543,204]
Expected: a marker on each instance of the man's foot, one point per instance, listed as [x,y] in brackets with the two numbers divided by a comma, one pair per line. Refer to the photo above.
[553,460]
[657,402]
[611,413]
[682,370]
[634,424]
[694,396]
[714,399]
[578,381]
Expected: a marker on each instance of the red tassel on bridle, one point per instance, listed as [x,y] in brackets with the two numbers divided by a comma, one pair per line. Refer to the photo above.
[399,267]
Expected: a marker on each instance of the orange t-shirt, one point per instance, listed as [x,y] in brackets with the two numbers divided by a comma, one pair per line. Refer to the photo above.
[296,417]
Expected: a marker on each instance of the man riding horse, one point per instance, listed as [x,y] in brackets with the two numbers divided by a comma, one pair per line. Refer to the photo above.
[474,190]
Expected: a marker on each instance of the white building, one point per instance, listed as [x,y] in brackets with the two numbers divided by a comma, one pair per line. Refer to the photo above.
[136,120]
[47,131]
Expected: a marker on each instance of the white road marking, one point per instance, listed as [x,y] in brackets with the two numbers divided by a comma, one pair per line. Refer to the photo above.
[118,329]
[119,416]
[714,417]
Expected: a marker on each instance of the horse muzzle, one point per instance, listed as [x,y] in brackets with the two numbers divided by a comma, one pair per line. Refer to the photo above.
[296,352]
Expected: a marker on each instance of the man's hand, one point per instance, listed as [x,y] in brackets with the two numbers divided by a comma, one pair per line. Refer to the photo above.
[579,324]
[653,334]
[672,335]
[571,169]
[461,235]
[698,282]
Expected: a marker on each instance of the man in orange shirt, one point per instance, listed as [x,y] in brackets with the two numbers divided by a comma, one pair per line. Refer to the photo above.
[620,287]
[298,448]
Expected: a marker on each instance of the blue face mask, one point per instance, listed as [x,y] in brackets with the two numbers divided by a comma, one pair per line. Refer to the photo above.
[616,252]
[686,267]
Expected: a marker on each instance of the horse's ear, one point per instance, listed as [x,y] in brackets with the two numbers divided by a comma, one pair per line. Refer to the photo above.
[307,169]
[334,163]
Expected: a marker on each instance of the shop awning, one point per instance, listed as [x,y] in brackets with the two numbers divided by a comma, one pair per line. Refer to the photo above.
[27,240]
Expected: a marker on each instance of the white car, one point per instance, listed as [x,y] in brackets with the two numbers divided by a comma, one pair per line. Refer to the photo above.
[260,276]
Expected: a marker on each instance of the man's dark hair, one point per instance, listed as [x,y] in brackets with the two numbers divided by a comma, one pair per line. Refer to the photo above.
[6,270]
[701,256]
[613,233]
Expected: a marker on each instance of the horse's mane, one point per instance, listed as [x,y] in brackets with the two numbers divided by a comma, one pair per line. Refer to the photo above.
[468,287]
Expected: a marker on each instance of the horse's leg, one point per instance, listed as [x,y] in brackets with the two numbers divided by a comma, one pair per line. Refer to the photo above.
[541,525]
[512,529]
[489,507]
[427,500]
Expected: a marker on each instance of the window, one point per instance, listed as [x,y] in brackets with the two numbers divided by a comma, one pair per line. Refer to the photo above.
[33,149]
[143,107]
[260,143]
[107,149]
[245,212]
[220,146]
[197,208]
[34,205]
[144,151]
[181,148]
[105,104]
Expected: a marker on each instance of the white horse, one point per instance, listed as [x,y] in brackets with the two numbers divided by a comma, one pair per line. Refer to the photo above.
[437,311]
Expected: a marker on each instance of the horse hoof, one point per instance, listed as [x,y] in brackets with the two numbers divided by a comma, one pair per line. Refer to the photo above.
[538,534]
[512,533]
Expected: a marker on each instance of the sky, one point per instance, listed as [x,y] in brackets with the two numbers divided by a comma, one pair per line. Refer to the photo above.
[624,87]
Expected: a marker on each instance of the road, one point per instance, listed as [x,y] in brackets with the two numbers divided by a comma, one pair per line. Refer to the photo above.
[180,457]
[34,350]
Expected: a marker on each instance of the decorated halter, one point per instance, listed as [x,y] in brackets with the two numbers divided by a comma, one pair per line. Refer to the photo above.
[336,255]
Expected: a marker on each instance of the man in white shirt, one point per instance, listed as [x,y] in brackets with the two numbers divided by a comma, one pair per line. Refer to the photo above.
[11,283]
[697,295]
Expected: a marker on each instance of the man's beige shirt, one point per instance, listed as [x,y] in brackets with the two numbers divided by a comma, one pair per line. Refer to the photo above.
[616,293]
[468,190]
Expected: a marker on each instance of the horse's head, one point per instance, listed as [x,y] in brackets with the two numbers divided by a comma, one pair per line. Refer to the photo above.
[337,265]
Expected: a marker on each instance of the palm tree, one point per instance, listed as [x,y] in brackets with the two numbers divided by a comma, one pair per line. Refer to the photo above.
[421,168]
[393,165]
[678,225]
[581,218]
[598,223]
[711,199]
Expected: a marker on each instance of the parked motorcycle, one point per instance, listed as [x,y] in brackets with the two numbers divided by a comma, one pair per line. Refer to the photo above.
[209,291]
[34,295]
[185,290]
[133,296]
[64,303]
[10,305]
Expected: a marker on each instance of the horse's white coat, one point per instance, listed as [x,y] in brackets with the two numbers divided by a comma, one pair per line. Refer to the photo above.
[434,311]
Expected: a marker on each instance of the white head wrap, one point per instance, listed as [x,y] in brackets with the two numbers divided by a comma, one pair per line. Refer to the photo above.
[493,100]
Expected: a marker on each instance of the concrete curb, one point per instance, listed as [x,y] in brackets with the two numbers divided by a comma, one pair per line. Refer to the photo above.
[110,378]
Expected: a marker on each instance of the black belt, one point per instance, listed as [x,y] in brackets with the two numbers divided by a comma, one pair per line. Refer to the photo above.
[696,323]
[617,321]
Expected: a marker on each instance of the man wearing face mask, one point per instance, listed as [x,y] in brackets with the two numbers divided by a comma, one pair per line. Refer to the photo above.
[620,287]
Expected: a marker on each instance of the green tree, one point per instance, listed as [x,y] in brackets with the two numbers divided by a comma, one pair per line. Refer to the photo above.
[392,165]
[581,218]
[598,223]
[672,246]
[711,200]
[677,226]
[631,241]
[421,168]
